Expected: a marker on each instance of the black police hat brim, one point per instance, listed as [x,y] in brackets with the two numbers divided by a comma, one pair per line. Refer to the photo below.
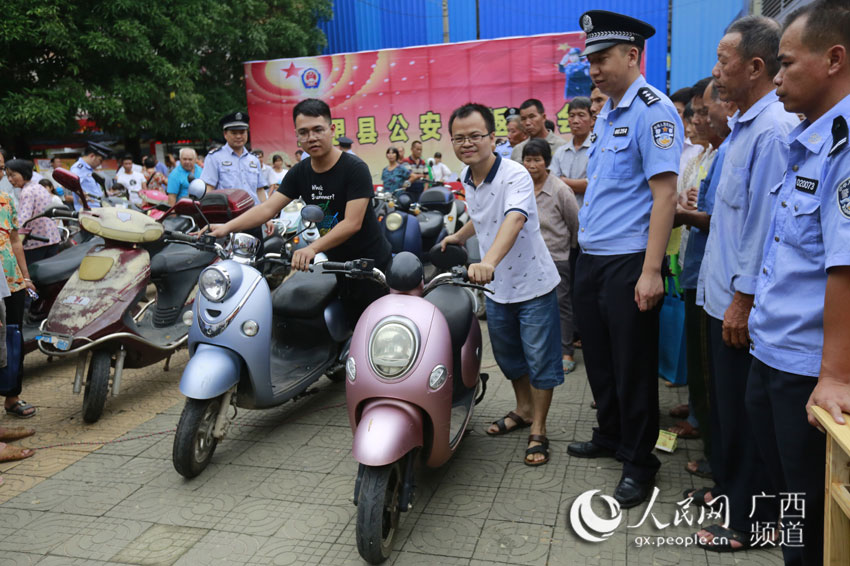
[597,47]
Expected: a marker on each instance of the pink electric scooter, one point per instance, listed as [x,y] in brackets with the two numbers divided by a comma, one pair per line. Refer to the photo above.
[413,378]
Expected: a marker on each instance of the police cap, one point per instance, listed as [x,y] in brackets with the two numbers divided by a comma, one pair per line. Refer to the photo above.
[345,141]
[511,112]
[236,121]
[606,29]
[98,149]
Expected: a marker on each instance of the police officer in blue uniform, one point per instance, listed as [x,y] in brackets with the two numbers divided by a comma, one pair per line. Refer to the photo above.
[624,226]
[232,166]
[577,71]
[800,321]
[84,169]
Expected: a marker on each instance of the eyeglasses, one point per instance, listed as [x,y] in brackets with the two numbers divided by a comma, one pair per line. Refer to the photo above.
[474,138]
[318,131]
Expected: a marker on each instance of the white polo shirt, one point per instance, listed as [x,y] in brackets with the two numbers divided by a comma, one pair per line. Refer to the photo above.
[527,271]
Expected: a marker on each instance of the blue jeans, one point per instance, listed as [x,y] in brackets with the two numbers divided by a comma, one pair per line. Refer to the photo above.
[526,339]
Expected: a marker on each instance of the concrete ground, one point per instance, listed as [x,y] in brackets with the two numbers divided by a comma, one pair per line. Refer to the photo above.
[280,486]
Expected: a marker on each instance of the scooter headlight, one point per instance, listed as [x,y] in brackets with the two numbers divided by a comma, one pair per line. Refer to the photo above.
[214,283]
[393,347]
[394,221]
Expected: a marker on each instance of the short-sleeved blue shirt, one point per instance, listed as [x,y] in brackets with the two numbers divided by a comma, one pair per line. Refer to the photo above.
[178,180]
[224,169]
[84,171]
[809,233]
[641,138]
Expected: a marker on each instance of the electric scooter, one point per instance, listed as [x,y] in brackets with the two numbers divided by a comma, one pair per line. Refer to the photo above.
[102,315]
[252,347]
[413,379]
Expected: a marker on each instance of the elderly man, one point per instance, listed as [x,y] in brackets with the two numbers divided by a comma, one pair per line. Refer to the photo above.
[182,175]
[516,135]
[752,171]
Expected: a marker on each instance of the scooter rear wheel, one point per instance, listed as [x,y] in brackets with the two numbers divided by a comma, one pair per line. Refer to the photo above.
[97,385]
[194,443]
[377,511]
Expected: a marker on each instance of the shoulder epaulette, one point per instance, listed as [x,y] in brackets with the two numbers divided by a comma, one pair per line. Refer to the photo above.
[216,149]
[839,135]
[649,98]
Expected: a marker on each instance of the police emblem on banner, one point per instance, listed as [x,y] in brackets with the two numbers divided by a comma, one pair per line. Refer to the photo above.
[843,193]
[662,134]
[311,78]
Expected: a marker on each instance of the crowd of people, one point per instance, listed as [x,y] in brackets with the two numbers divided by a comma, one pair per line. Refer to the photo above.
[749,169]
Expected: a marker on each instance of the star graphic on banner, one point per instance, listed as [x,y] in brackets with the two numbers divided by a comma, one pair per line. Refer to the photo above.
[292,70]
[563,47]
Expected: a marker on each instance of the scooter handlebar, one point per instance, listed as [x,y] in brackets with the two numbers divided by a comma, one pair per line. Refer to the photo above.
[180,237]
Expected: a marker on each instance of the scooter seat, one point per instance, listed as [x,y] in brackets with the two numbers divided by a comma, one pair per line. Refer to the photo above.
[61,266]
[456,306]
[178,257]
[304,295]
[430,223]
[178,223]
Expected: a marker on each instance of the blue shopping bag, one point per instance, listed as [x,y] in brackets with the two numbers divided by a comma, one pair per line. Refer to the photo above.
[14,358]
[672,345]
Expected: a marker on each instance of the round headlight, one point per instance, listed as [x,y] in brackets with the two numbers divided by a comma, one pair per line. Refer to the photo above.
[438,377]
[392,349]
[394,221]
[250,328]
[188,317]
[351,369]
[214,284]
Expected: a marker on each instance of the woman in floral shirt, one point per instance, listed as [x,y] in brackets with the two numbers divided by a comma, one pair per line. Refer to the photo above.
[395,175]
[34,200]
[18,279]
[156,181]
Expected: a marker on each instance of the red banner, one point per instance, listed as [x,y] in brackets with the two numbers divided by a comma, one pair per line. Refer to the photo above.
[395,96]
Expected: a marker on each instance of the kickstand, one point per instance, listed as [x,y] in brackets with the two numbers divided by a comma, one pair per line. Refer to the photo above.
[167,363]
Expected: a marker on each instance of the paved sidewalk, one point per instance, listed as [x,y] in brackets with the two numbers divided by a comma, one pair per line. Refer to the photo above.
[280,487]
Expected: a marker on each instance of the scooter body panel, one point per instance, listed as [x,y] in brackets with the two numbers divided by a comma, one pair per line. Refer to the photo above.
[210,372]
[95,308]
[434,349]
[389,429]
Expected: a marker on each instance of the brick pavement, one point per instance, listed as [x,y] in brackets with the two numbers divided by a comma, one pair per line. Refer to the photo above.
[280,486]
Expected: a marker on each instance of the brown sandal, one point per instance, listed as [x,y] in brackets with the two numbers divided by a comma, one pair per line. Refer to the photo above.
[683,429]
[503,427]
[14,453]
[15,433]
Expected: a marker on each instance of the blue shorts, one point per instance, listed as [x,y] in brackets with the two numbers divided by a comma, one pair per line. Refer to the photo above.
[526,339]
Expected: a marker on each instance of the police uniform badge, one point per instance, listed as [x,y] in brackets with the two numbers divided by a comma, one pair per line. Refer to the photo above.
[843,195]
[593,137]
[586,23]
[662,134]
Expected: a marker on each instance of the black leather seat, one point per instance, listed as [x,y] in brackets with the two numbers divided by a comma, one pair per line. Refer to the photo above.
[456,306]
[175,258]
[430,224]
[61,266]
[304,295]
[437,198]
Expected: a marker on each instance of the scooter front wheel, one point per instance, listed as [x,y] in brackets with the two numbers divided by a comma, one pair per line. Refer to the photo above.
[378,512]
[97,385]
[194,443]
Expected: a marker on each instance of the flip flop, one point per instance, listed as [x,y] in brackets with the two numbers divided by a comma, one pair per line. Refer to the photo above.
[680,411]
[724,533]
[503,427]
[703,469]
[15,433]
[19,410]
[683,429]
[14,453]
[542,448]
[569,366]
[698,496]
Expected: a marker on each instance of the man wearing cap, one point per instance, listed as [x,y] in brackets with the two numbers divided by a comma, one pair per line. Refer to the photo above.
[624,225]
[84,168]
[516,135]
[345,144]
[232,166]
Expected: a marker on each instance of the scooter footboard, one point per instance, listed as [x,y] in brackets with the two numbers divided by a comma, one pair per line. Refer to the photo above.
[211,371]
[388,430]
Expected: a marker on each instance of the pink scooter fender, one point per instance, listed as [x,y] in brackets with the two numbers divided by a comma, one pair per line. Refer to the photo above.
[388,429]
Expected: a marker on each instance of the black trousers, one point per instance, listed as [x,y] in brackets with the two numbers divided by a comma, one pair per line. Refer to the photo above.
[739,472]
[696,328]
[621,355]
[794,452]
[15,315]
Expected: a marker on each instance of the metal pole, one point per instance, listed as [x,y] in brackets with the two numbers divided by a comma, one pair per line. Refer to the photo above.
[445,21]
[477,21]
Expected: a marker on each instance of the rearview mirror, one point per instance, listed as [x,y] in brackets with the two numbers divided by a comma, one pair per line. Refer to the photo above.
[312,213]
[197,189]
[72,183]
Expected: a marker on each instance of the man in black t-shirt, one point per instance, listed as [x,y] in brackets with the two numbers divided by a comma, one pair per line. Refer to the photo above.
[339,183]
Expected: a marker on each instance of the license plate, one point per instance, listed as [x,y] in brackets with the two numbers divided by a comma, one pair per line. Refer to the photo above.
[59,342]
